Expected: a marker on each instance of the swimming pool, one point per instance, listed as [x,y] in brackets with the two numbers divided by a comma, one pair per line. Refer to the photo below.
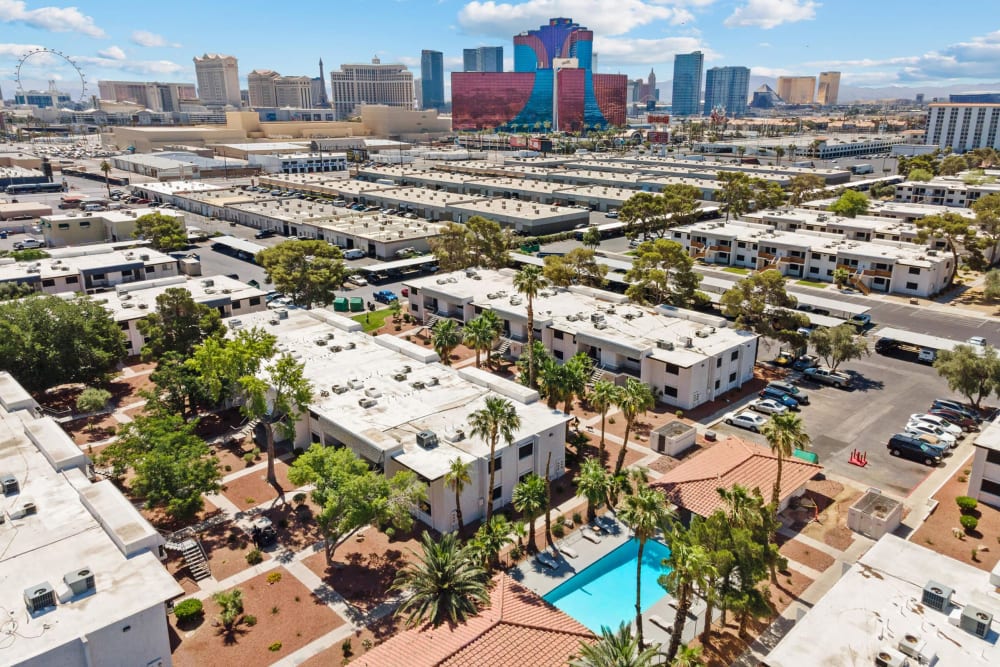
[604,593]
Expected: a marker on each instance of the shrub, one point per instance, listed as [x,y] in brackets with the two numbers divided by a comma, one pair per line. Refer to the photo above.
[367,643]
[347,648]
[250,620]
[256,452]
[188,610]
[274,610]
[248,458]
[390,532]
[250,500]
[558,530]
[299,498]
[577,517]
[276,646]
[679,414]
[254,556]
[92,399]
[968,522]
[228,468]
[273,577]
[966,503]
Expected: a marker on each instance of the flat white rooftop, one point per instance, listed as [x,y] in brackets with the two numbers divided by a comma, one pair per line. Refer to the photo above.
[878,603]
[522,210]
[175,187]
[133,301]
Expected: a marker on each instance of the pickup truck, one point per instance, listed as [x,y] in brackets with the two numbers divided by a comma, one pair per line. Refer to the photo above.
[827,376]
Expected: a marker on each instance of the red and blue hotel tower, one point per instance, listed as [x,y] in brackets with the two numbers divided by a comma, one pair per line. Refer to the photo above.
[552,87]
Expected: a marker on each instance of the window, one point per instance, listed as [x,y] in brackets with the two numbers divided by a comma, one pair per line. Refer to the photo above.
[813,269]
[48,282]
[558,354]
[717,383]
[732,377]
[237,305]
[525,451]
[524,475]
[914,270]
[497,493]
[498,462]
[72,280]
[558,335]
[735,355]
[816,256]
[63,225]
[741,258]
[993,456]
[829,273]
[670,391]
[85,223]
[425,507]
[718,362]
[151,269]
[993,488]
[912,286]
[255,301]
[672,369]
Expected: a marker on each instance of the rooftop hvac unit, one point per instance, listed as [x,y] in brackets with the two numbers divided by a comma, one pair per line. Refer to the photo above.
[432,381]
[9,484]
[597,317]
[281,313]
[355,384]
[427,439]
[80,581]
[338,389]
[418,384]
[686,340]
[887,657]
[320,341]
[571,318]
[914,646]
[664,345]
[350,346]
[399,377]
[335,348]
[455,436]
[128,305]
[367,402]
[937,596]
[25,508]
[976,621]
[373,392]
[39,597]
[144,258]
[600,325]
[208,282]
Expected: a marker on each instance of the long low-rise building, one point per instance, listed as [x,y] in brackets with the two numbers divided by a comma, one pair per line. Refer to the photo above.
[688,358]
[701,163]
[902,211]
[78,228]
[884,266]
[393,404]
[523,217]
[300,163]
[82,579]
[944,191]
[861,228]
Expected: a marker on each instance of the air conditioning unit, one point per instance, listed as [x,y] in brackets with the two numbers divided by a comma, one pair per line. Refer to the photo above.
[373,392]
[324,393]
[350,346]
[976,621]
[427,439]
[597,317]
[914,646]
[686,340]
[399,377]
[338,389]
[432,381]
[937,596]
[665,344]
[355,384]
[80,581]
[418,385]
[335,348]
[320,341]
[39,597]
[887,657]
[600,325]
[455,436]
[128,305]
[26,507]
[209,290]
[367,402]
[208,283]
[9,484]
[701,333]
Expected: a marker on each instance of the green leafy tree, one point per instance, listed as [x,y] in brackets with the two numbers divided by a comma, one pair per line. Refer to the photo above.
[680,202]
[443,585]
[841,277]
[602,397]
[645,512]
[920,175]
[592,482]
[987,210]
[766,194]
[177,388]
[991,286]
[164,232]
[957,233]
[784,434]
[495,420]
[172,466]
[838,344]
[456,479]
[578,266]
[591,238]
[644,214]
[690,569]
[530,500]
[952,164]
[576,372]
[480,335]
[617,648]
[178,325]
[736,192]
[662,272]
[851,204]
[634,399]
[972,372]
[529,281]
[92,399]
[445,336]
[47,341]
[308,271]
[351,495]
[761,304]
[451,248]
[12,291]
[221,362]
[488,242]
[803,186]
[277,399]
[688,656]
[779,152]
[539,359]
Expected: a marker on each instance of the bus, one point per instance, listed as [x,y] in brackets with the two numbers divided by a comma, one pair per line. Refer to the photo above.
[33,188]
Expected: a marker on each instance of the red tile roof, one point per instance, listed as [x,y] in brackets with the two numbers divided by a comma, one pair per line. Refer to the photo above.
[517,629]
[693,484]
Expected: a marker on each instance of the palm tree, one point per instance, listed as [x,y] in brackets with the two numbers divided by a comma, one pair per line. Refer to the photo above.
[690,568]
[497,419]
[490,540]
[614,649]
[779,153]
[530,499]
[552,380]
[529,281]
[446,338]
[602,397]
[445,584]
[493,321]
[645,512]
[784,434]
[592,482]
[576,374]
[105,166]
[455,479]
[635,398]
[688,656]
[479,335]
[230,611]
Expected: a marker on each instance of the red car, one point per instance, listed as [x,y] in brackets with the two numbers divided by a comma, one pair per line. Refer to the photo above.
[958,419]
[405,291]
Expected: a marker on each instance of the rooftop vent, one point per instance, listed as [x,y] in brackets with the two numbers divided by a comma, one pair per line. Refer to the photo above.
[887,657]
[914,646]
[355,384]
[373,392]
[418,384]
[686,341]
[664,344]
[80,581]
[367,402]
[937,596]
[976,621]
[455,436]
[427,439]
[9,484]
[399,377]
[339,389]
[350,346]
[39,597]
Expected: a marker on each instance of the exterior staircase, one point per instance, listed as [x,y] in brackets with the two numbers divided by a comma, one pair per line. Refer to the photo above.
[194,556]
[504,346]
[596,376]
[860,286]
[431,320]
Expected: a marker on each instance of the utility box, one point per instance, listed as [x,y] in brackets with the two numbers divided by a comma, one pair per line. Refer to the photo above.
[340,304]
[874,514]
[673,438]
[357,304]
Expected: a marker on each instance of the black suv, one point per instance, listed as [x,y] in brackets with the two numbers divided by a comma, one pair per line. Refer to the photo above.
[914,449]
[264,234]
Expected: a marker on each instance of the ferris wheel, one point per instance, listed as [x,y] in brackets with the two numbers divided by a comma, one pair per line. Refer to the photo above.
[65,63]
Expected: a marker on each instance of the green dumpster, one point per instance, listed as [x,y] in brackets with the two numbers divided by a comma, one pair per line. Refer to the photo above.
[340,304]
[357,304]
[254,284]
[530,247]
[807,456]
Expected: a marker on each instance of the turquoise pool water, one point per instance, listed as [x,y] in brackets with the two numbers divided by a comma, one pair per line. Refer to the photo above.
[604,593]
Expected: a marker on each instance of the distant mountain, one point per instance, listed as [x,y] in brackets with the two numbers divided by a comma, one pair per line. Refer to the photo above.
[864,93]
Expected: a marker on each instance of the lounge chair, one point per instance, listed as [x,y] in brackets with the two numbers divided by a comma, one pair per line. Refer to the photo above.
[660,623]
[568,551]
[546,560]
[590,535]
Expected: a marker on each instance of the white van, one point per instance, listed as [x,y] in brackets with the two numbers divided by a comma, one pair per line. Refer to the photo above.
[354,253]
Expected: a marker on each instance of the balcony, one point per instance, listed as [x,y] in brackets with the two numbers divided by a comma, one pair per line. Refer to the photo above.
[788,259]
[765,255]
[697,245]
[879,273]
[719,248]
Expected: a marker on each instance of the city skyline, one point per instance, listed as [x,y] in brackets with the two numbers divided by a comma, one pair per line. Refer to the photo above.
[771,37]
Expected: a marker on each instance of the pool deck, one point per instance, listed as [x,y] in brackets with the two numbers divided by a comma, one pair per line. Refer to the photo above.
[540,579]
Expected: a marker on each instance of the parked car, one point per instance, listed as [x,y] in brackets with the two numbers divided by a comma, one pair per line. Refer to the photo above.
[908,447]
[768,406]
[861,321]
[28,243]
[748,420]
[923,427]
[886,345]
[978,341]
[927,355]
[790,389]
[957,418]
[940,422]
[827,376]
[957,407]
[385,296]
[780,397]
[805,361]
[356,279]
[354,253]
[264,234]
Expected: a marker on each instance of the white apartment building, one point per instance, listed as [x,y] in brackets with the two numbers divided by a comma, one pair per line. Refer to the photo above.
[861,228]
[82,579]
[151,95]
[300,163]
[218,80]
[77,228]
[944,191]
[880,266]
[895,210]
[984,482]
[373,83]
[687,358]
[962,127]
[394,405]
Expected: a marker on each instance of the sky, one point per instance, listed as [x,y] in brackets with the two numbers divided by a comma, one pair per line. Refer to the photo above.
[874,43]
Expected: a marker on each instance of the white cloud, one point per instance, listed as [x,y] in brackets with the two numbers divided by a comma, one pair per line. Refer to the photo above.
[53,19]
[112,52]
[151,39]
[772,72]
[767,14]
[15,51]
[624,51]
[605,17]
[131,66]
[764,45]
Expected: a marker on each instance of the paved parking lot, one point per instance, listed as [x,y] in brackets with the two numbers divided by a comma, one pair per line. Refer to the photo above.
[887,392]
